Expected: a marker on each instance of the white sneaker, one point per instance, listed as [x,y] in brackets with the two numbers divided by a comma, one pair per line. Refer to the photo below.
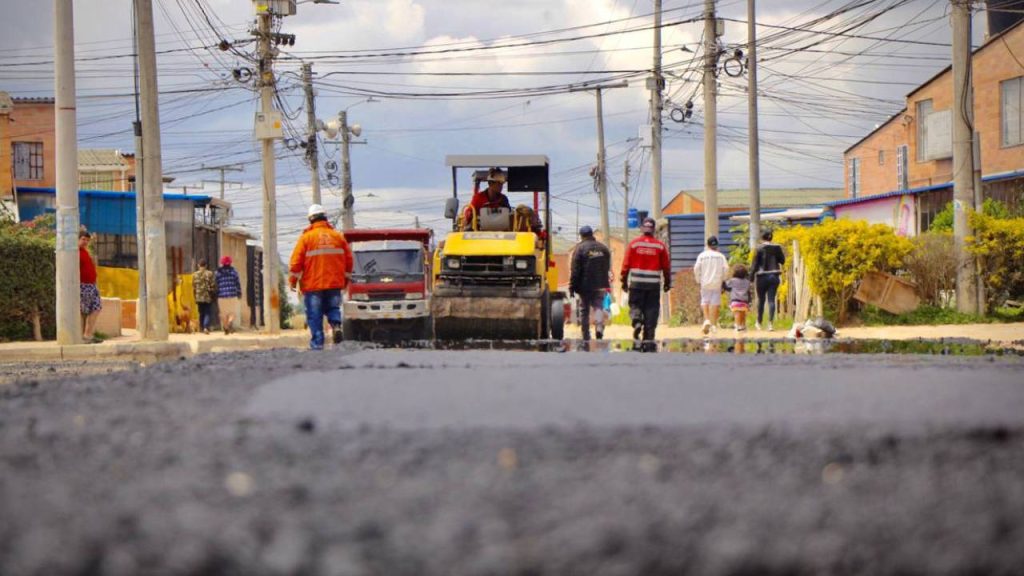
[714,328]
[706,327]
[757,326]
[770,327]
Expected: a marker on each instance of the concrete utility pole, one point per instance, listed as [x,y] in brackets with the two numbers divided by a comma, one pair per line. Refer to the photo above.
[710,120]
[223,177]
[69,320]
[156,244]
[625,205]
[656,83]
[963,162]
[141,315]
[601,173]
[753,134]
[271,295]
[347,201]
[311,149]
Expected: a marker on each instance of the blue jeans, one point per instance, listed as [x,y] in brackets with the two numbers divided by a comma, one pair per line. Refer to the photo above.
[318,304]
[205,313]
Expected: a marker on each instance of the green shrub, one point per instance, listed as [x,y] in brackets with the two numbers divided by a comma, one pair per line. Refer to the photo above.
[932,266]
[27,278]
[943,221]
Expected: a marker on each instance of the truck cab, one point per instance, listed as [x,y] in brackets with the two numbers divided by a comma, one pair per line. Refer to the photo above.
[389,292]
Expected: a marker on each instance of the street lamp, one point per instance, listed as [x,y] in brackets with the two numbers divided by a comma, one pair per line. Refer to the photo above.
[340,126]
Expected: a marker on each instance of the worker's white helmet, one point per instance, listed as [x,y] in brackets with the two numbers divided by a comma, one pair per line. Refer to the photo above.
[315,210]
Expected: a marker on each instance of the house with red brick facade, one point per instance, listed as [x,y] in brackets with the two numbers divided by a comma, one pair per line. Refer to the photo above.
[901,173]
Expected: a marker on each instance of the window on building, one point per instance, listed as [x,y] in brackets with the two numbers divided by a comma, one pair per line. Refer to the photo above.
[1011,94]
[881,157]
[89,180]
[854,177]
[28,160]
[924,108]
[115,250]
[902,180]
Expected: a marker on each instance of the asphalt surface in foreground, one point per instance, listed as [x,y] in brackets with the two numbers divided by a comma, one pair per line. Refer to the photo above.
[463,462]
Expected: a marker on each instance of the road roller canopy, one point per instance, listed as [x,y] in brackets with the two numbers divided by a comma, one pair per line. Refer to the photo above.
[525,172]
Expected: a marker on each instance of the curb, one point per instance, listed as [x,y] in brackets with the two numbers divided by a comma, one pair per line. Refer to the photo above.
[147,351]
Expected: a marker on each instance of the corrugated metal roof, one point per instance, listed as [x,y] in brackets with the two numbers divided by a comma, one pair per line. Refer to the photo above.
[915,191]
[101,157]
[199,199]
[774,197]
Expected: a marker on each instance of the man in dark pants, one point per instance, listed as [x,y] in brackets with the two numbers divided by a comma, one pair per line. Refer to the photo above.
[646,268]
[591,262]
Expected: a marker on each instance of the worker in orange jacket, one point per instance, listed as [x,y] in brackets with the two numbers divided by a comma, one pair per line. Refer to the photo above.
[321,264]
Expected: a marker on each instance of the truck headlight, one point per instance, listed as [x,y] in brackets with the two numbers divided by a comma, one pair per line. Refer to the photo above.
[522,264]
[414,296]
[364,297]
[455,263]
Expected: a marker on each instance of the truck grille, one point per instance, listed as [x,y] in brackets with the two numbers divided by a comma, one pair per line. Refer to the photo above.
[379,296]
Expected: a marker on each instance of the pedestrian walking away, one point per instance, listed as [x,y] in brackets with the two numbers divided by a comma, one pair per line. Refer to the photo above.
[91,303]
[767,274]
[320,266]
[591,262]
[229,294]
[204,286]
[710,270]
[646,267]
[739,296]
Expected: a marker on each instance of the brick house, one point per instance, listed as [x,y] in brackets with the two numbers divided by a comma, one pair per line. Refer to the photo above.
[912,151]
[27,143]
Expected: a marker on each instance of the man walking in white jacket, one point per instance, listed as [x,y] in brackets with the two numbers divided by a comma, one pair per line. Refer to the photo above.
[711,269]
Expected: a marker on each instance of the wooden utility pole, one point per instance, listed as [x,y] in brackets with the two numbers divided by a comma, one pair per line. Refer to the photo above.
[311,148]
[69,320]
[963,161]
[656,84]
[625,205]
[753,135]
[710,120]
[271,294]
[156,243]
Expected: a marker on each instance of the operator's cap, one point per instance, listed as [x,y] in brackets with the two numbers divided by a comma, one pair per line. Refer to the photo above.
[586,231]
[713,241]
[649,222]
[315,210]
[496,175]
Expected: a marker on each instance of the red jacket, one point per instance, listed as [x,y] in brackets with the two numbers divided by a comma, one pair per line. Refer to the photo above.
[86,267]
[482,200]
[646,262]
[321,259]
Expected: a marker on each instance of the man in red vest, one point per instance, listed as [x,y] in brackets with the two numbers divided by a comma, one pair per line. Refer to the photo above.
[646,267]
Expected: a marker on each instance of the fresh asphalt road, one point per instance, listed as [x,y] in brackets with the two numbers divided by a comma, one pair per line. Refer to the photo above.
[470,462]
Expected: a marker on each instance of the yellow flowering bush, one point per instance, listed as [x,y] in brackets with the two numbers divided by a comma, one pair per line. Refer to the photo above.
[839,252]
[999,243]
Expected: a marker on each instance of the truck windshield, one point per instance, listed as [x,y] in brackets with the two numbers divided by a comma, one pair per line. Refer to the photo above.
[394,263]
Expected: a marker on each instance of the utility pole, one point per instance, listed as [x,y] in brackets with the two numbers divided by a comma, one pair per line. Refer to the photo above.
[156,244]
[600,174]
[656,83]
[69,321]
[223,179]
[311,149]
[710,120]
[963,162]
[141,316]
[625,206]
[753,135]
[347,201]
[271,295]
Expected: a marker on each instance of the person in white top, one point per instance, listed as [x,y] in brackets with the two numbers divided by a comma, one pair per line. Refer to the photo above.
[711,269]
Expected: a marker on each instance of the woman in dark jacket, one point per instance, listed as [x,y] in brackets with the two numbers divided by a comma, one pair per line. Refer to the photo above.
[767,276]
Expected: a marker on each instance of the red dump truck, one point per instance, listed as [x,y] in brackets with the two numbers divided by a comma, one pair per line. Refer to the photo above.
[388,296]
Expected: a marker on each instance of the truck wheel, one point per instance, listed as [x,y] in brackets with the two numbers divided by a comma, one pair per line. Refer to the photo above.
[425,329]
[557,318]
[349,330]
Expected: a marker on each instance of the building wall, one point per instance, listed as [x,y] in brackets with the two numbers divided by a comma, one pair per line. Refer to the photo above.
[898,212]
[34,122]
[991,65]
[6,169]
